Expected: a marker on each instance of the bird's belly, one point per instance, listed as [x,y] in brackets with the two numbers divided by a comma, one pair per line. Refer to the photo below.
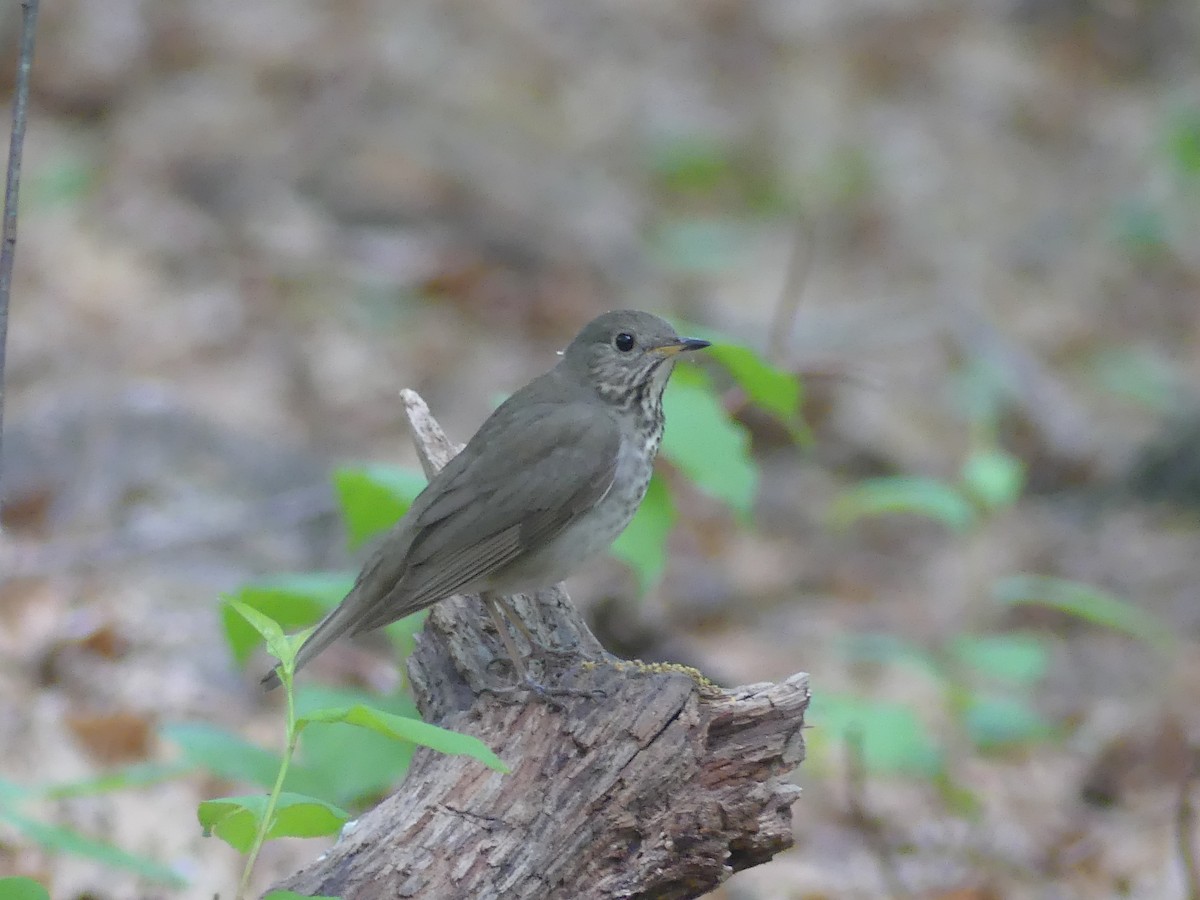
[587,537]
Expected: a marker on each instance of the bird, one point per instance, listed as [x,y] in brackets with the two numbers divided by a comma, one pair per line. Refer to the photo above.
[548,482]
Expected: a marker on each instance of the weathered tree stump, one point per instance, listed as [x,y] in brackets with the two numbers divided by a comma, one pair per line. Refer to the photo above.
[659,786]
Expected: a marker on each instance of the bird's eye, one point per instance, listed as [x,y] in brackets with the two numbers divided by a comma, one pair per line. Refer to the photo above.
[623,342]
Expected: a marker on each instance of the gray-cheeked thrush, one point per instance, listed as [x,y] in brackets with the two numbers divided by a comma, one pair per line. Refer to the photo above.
[546,483]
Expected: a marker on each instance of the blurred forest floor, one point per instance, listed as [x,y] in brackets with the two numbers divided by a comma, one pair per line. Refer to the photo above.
[245,226]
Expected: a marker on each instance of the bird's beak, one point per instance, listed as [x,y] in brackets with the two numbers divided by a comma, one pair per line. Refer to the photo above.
[680,345]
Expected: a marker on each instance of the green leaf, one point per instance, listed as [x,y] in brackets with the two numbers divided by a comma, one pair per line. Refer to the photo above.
[375,497]
[22,889]
[643,545]
[993,478]
[292,895]
[59,179]
[904,495]
[690,163]
[406,729]
[1014,658]
[1087,603]
[776,390]
[63,840]
[342,763]
[711,449]
[293,601]
[336,763]
[892,739]
[225,754]
[995,722]
[134,776]
[1183,142]
[235,819]
[268,629]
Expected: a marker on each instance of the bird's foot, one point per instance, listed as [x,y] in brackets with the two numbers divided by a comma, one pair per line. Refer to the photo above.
[552,695]
[548,656]
[543,691]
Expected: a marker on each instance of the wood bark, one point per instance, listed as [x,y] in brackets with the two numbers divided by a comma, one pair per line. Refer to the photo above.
[647,783]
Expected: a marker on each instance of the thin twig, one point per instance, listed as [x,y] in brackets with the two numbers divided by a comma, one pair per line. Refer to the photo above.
[15,145]
[799,265]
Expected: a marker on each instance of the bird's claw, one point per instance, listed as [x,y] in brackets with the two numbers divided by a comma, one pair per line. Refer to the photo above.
[549,655]
[551,695]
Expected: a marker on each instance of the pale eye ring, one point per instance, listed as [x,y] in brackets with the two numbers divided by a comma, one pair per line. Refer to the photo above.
[623,342]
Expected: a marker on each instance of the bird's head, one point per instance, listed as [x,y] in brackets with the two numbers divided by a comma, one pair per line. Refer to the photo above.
[627,355]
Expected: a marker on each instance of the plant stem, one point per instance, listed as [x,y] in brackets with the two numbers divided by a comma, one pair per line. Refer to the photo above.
[29,10]
[264,824]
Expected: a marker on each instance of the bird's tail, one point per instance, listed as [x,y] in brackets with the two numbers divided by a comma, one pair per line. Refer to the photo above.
[346,618]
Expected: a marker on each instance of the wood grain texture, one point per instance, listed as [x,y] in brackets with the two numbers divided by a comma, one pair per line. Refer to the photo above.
[647,784]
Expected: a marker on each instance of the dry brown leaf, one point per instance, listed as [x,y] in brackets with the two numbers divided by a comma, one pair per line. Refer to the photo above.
[113,737]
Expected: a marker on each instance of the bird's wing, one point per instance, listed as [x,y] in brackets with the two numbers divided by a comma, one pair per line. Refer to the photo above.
[530,471]
[560,459]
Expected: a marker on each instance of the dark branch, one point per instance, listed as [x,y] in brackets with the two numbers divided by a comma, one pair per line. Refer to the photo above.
[16,143]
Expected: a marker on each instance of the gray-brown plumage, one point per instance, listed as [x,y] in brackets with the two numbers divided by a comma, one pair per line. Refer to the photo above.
[549,481]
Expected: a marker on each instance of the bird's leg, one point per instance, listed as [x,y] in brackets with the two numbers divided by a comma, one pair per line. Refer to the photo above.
[537,650]
[494,605]
[525,681]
